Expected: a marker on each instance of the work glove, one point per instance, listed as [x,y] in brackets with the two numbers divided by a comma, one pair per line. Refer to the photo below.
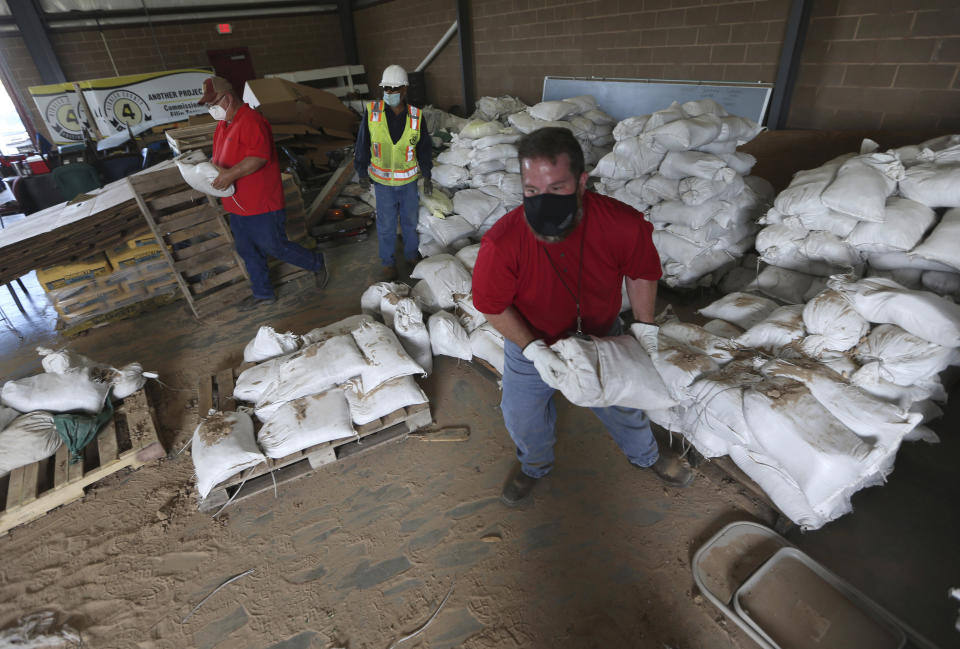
[365,183]
[550,367]
[427,187]
[646,334]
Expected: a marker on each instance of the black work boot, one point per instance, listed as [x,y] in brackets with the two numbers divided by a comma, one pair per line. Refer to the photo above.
[517,487]
[672,469]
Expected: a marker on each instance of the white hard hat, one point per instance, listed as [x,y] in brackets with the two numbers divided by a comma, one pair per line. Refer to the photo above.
[394,77]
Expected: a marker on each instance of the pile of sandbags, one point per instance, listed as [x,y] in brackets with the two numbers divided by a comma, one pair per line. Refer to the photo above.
[811,400]
[680,166]
[881,214]
[348,373]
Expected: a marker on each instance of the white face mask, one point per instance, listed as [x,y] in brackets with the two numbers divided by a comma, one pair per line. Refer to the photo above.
[391,98]
[218,113]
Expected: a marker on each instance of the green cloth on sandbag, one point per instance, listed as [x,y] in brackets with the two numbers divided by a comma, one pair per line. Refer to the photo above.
[77,431]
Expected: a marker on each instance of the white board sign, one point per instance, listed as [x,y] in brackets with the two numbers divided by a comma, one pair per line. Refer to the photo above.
[116,103]
[623,98]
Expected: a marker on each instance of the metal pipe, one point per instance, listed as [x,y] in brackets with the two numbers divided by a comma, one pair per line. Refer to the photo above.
[103,37]
[439,46]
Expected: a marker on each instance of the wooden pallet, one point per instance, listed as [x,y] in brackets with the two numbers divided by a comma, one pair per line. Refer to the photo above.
[195,240]
[215,393]
[130,440]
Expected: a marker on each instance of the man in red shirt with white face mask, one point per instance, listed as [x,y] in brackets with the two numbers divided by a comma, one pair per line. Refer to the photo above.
[244,152]
[552,268]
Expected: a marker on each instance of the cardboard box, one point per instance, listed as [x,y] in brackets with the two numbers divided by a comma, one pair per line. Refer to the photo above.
[285,102]
[83,270]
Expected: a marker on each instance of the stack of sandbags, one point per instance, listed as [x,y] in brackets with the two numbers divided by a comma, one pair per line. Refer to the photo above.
[348,373]
[681,167]
[872,214]
[592,127]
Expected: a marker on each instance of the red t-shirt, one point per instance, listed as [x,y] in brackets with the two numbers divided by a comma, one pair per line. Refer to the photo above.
[513,269]
[249,134]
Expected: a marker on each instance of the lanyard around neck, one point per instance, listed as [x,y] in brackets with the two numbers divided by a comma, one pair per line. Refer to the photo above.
[576,298]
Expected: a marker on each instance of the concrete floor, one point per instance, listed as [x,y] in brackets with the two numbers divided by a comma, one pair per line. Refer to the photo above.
[600,559]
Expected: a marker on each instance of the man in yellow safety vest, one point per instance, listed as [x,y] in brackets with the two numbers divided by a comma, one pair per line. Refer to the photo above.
[393,150]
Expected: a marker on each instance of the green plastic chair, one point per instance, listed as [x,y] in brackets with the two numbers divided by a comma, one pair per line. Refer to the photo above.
[75,179]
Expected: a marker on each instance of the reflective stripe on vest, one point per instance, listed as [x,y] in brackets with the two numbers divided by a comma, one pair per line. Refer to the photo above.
[393,163]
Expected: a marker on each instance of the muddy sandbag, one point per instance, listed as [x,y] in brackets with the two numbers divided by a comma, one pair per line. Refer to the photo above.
[338,328]
[305,422]
[27,439]
[223,445]
[413,334]
[383,355]
[390,396]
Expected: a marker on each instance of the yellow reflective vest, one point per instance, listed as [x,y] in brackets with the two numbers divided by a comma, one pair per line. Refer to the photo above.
[393,164]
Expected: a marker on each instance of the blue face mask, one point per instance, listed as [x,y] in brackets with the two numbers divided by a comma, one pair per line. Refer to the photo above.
[391,98]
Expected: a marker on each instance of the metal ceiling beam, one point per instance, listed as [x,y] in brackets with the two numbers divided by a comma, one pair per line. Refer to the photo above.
[798,21]
[348,31]
[466,55]
[34,32]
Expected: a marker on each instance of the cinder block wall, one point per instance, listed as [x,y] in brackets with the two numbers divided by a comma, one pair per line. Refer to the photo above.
[281,44]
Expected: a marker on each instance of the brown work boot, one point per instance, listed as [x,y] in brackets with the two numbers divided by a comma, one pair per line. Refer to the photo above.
[672,469]
[388,274]
[517,487]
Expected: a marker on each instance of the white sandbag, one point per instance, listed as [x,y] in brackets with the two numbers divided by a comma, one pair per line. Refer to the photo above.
[478,128]
[658,188]
[905,222]
[828,220]
[785,493]
[7,415]
[862,186]
[449,230]
[450,176]
[697,191]
[932,184]
[582,102]
[722,328]
[59,361]
[736,278]
[705,106]
[491,108]
[269,344]
[314,369]
[553,110]
[640,155]
[474,205]
[880,422]
[501,138]
[370,298]
[583,128]
[199,173]
[128,379]
[425,298]
[470,317]
[629,127]
[781,328]
[699,339]
[680,164]
[412,332]
[253,381]
[695,216]
[305,422]
[713,420]
[391,396]
[664,116]
[903,358]
[468,256]
[943,244]
[496,152]
[741,309]
[680,365]
[600,118]
[223,446]
[628,163]
[388,307]
[869,378]
[782,284]
[348,324]
[719,148]
[684,134]
[941,283]
[833,322]
[921,313]
[580,382]
[27,439]
[384,355]
[803,193]
[740,129]
[459,155]
[73,391]
[487,343]
[896,261]
[674,248]
[446,276]
[488,166]
[829,249]
[708,261]
[740,162]
[448,337]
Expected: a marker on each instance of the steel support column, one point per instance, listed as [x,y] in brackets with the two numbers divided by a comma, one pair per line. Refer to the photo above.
[34,32]
[798,21]
[348,31]
[466,55]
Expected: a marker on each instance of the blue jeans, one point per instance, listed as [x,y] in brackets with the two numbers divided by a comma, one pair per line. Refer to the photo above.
[260,235]
[530,416]
[393,202]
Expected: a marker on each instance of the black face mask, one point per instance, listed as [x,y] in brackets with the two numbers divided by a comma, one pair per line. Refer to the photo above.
[551,215]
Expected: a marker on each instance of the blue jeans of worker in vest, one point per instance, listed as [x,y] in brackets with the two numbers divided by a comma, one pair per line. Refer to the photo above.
[261,235]
[531,416]
[397,202]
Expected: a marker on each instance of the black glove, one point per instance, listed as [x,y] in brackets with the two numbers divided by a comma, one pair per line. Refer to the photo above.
[427,187]
[365,183]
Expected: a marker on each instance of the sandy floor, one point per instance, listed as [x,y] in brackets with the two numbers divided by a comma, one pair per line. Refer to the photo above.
[362,552]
